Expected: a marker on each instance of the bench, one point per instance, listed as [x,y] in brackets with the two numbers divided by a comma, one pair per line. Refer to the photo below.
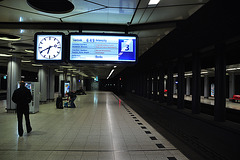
[235,98]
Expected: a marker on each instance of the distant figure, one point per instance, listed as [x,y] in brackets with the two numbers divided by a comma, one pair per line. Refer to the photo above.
[22,96]
[81,91]
[72,95]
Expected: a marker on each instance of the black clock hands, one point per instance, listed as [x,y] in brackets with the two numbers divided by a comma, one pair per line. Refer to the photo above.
[48,48]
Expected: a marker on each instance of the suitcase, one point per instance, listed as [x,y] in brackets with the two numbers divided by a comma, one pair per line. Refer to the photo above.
[59,103]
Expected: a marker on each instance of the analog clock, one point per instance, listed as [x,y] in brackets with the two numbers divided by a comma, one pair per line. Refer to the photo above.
[50,47]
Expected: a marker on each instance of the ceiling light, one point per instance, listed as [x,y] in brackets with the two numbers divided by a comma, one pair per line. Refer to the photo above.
[188,74]
[231,69]
[29,51]
[153,2]
[37,65]
[23,61]
[20,19]
[5,55]
[110,73]
[8,37]
[72,69]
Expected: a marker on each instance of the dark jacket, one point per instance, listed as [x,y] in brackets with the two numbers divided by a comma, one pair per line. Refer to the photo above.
[22,96]
[72,95]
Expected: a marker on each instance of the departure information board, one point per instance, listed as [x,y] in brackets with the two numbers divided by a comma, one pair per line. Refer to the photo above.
[103,48]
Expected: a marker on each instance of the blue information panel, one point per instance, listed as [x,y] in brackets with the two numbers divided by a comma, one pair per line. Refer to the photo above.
[114,48]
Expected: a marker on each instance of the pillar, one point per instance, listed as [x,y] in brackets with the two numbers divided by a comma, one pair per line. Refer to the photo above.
[170,85]
[220,84]
[61,78]
[161,85]
[50,84]
[206,87]
[188,86]
[181,84]
[13,76]
[42,78]
[174,85]
[74,83]
[196,90]
[154,87]
[231,85]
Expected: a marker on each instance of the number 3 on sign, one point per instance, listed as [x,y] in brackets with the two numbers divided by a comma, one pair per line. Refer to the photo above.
[127,46]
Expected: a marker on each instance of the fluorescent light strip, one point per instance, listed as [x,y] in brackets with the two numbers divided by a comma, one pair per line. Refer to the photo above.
[231,69]
[29,51]
[66,66]
[23,61]
[5,55]
[110,73]
[153,2]
[9,39]
[37,65]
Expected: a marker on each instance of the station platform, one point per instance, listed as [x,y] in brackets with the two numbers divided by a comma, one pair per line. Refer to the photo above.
[101,127]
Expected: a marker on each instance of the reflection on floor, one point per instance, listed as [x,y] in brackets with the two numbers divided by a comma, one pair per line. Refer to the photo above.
[102,127]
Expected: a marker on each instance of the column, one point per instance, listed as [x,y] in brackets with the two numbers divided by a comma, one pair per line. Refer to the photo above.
[231,85]
[196,92]
[145,84]
[175,85]
[50,84]
[148,85]
[13,76]
[206,86]
[61,78]
[43,77]
[74,83]
[154,87]
[188,89]
[161,85]
[220,84]
[170,85]
[181,84]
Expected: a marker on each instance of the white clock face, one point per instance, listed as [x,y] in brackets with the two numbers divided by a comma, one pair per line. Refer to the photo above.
[50,47]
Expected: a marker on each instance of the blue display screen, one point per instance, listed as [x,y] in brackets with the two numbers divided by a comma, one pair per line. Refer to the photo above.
[114,48]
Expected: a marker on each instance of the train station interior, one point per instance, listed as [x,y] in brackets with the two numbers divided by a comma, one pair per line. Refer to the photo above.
[160,84]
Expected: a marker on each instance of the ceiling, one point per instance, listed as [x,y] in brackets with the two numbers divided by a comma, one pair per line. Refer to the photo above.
[150,23]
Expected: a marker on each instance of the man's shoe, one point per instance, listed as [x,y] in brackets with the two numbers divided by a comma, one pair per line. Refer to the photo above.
[29,130]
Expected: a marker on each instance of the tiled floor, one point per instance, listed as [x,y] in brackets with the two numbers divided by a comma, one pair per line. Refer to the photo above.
[102,127]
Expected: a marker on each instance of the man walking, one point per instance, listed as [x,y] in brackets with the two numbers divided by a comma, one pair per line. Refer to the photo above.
[22,96]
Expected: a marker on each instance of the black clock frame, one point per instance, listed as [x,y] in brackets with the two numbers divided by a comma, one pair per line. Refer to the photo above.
[47,34]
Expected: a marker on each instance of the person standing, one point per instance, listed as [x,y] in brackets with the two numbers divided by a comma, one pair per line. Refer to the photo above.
[22,97]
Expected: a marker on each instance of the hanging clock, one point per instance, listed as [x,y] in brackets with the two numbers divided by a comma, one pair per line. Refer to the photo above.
[49,47]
